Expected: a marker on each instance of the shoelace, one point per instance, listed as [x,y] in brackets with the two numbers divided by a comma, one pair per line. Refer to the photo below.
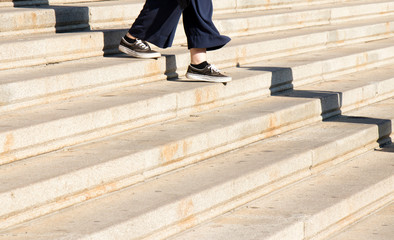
[142,44]
[213,69]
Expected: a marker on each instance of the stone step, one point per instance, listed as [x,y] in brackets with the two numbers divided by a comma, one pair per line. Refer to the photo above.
[37,85]
[67,17]
[55,48]
[101,15]
[162,148]
[312,209]
[378,226]
[68,122]
[174,202]
[255,5]
[242,24]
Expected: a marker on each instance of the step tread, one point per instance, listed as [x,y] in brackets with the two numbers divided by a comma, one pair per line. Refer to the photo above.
[299,211]
[378,226]
[182,190]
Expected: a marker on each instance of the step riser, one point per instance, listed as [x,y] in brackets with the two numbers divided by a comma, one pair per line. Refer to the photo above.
[17,144]
[40,52]
[186,151]
[45,89]
[43,20]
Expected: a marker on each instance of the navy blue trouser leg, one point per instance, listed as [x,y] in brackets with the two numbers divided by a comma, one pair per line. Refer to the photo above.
[158,20]
[199,28]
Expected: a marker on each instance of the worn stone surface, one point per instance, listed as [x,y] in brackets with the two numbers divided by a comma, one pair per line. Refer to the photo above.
[303,210]
[378,226]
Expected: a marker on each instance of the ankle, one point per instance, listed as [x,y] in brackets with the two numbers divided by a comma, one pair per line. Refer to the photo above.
[129,38]
[200,65]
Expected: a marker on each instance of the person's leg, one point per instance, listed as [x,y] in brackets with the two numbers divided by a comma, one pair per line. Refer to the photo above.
[198,55]
[202,36]
[156,24]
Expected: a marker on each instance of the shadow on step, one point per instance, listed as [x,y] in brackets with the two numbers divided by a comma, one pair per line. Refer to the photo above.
[68,18]
[385,128]
[21,3]
[389,147]
[282,85]
[331,103]
[77,19]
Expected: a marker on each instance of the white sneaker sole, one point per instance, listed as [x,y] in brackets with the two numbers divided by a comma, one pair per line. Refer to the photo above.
[205,78]
[135,54]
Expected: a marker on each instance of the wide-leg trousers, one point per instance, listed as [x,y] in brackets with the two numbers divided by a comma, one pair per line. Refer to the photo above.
[158,21]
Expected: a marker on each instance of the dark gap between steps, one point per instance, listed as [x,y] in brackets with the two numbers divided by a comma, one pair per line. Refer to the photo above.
[331,103]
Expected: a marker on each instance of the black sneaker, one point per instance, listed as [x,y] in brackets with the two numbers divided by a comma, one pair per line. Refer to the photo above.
[138,49]
[208,74]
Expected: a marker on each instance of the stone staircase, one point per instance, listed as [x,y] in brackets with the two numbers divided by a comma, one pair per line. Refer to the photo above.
[97,145]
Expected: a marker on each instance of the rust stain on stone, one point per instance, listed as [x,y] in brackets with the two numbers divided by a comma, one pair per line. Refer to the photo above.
[185,213]
[91,193]
[185,147]
[198,96]
[168,152]
[362,61]
[388,27]
[152,67]
[273,122]
[339,39]
[34,20]
[268,3]
[205,96]
[9,142]
[243,55]
[274,175]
